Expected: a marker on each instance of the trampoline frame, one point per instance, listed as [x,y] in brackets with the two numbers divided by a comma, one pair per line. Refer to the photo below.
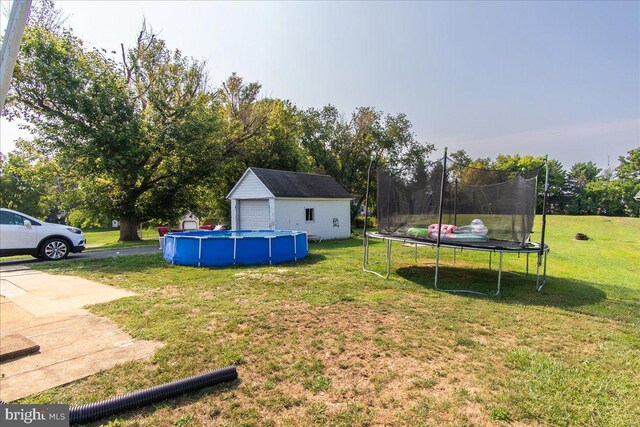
[540,249]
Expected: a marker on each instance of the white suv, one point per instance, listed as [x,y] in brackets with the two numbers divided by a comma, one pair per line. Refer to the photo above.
[21,234]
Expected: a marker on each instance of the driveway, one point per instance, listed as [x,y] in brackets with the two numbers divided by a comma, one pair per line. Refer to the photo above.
[93,254]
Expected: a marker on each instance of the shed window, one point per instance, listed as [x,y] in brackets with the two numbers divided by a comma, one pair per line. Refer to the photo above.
[309,214]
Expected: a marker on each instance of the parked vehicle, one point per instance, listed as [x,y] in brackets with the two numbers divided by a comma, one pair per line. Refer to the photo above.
[21,234]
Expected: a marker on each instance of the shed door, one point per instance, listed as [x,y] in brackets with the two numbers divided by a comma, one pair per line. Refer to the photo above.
[254,214]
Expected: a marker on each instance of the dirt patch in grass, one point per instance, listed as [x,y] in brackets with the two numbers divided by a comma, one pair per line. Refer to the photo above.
[271,276]
[342,355]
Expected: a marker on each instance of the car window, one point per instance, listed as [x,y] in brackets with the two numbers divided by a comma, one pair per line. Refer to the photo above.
[9,218]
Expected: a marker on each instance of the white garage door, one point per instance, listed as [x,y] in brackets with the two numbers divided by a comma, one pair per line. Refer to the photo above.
[254,214]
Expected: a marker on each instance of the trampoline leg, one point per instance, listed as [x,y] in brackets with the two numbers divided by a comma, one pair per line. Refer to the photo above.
[415,255]
[454,256]
[490,261]
[527,273]
[544,275]
[458,291]
[499,275]
[437,262]
[388,258]
[365,258]
[544,278]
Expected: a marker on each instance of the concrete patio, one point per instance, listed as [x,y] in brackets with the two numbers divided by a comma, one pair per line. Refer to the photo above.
[48,311]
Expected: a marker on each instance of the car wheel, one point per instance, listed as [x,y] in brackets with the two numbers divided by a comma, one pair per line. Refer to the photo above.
[54,250]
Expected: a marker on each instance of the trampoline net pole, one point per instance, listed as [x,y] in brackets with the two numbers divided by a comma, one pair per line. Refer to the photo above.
[439,230]
[366,215]
[544,208]
[455,203]
[442,188]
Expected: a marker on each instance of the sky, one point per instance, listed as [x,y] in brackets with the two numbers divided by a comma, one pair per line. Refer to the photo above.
[556,78]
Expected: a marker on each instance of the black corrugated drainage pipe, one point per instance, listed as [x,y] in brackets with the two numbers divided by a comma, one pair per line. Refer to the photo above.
[105,408]
[98,410]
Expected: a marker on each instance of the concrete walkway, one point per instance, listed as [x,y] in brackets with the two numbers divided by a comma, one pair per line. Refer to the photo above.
[47,309]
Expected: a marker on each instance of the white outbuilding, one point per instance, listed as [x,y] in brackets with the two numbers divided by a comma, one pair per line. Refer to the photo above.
[267,199]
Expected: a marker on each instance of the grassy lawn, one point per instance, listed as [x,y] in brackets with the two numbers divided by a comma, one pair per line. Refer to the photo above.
[322,343]
[108,239]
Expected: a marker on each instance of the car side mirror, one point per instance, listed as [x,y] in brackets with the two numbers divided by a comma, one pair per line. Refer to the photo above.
[27,223]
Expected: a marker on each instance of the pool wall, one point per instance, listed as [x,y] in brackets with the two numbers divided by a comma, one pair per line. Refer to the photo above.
[204,248]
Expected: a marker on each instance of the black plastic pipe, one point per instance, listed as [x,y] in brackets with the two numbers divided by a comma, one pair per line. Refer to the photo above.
[105,408]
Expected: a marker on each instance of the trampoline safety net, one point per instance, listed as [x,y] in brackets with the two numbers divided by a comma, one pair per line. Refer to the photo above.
[480,207]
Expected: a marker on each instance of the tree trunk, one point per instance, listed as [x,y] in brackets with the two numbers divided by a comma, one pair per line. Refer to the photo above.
[128,229]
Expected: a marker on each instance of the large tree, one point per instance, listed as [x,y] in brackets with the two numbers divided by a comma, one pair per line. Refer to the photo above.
[628,174]
[579,176]
[604,197]
[343,147]
[256,133]
[34,183]
[138,133]
[471,170]
[23,185]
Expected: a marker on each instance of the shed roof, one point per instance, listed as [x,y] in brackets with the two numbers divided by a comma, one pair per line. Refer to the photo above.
[301,185]
[637,196]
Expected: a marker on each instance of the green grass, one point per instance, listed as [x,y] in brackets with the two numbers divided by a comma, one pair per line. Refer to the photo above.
[322,343]
[108,239]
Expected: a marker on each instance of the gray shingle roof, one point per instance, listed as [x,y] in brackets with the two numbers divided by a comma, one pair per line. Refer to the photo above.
[298,184]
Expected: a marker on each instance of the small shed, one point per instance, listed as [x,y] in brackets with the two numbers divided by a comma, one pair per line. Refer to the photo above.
[189,222]
[637,196]
[264,199]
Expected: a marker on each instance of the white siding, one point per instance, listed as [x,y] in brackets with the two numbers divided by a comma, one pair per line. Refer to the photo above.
[234,214]
[290,215]
[254,214]
[250,187]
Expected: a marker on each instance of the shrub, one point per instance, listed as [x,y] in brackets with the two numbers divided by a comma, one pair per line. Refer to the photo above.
[358,222]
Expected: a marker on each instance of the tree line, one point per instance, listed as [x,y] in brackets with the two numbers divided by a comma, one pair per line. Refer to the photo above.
[139,134]
[583,189]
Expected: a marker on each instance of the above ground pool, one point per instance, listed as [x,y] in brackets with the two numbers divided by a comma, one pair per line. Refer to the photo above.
[205,248]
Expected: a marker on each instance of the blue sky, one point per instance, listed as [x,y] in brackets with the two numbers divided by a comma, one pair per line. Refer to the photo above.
[531,78]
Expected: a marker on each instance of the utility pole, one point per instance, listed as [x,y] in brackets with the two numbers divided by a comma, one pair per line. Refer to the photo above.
[11,44]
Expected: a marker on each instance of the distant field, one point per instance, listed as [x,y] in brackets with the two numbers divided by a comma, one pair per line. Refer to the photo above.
[323,343]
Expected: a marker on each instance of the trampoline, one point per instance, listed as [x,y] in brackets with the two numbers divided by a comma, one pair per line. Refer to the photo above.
[447,205]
